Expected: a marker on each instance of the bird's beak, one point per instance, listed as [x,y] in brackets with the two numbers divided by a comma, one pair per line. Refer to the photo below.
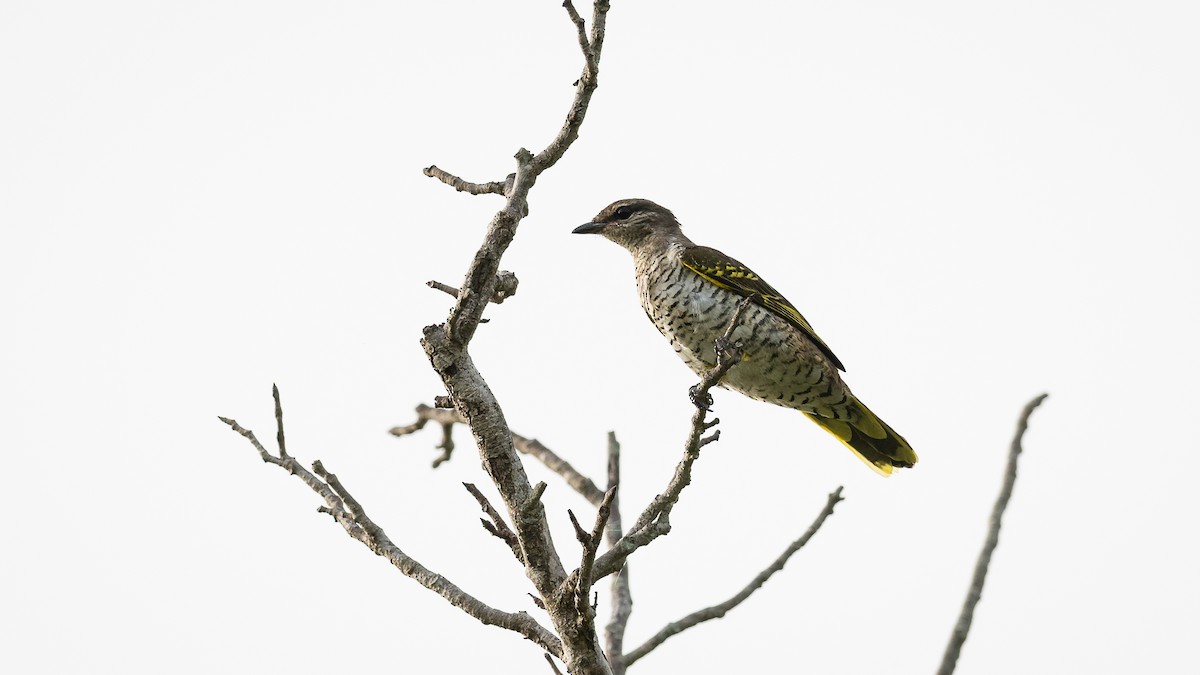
[588,228]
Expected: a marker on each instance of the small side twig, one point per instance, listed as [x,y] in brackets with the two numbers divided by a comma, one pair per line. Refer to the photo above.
[527,446]
[497,527]
[719,610]
[447,418]
[590,541]
[959,635]
[585,86]
[436,285]
[279,440]
[534,503]
[492,188]
[620,594]
[550,660]
[585,45]
[581,483]
[506,287]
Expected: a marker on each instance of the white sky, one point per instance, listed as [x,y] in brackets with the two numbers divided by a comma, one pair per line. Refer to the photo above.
[972,204]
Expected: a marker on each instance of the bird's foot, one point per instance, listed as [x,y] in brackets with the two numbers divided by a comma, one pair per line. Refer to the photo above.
[702,402]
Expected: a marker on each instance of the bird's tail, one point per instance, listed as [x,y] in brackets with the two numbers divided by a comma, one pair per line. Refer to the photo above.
[870,438]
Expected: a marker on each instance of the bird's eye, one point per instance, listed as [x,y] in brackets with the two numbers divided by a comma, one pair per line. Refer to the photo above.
[624,212]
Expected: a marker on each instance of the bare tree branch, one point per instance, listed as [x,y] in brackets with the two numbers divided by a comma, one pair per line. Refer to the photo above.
[584,86]
[590,541]
[493,188]
[279,440]
[528,446]
[581,483]
[497,527]
[350,515]
[959,635]
[443,416]
[445,288]
[654,521]
[719,610]
[446,418]
[620,595]
[506,287]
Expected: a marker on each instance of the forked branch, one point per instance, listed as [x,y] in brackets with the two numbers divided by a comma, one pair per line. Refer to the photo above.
[348,513]
[526,446]
[655,520]
[447,344]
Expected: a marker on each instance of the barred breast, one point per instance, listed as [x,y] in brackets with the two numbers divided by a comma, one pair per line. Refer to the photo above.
[780,366]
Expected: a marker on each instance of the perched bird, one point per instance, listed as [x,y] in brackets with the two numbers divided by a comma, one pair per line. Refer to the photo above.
[691,292]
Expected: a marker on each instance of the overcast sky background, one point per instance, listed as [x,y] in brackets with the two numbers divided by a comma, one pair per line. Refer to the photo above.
[971,203]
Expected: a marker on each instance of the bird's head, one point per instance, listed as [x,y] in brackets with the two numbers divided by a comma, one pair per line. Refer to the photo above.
[633,223]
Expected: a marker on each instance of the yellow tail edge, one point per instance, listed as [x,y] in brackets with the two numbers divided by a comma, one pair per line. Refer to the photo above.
[870,439]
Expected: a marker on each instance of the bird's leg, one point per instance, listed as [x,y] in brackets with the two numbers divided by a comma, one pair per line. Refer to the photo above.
[728,353]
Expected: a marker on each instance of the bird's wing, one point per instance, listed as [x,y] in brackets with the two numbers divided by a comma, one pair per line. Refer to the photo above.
[730,274]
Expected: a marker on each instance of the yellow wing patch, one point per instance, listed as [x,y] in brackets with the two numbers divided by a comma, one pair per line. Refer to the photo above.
[732,275]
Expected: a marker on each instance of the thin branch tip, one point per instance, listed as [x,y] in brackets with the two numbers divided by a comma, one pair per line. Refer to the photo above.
[958,636]
[279,438]
[460,185]
[719,610]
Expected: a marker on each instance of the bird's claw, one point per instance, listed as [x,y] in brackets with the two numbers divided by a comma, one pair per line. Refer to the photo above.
[702,402]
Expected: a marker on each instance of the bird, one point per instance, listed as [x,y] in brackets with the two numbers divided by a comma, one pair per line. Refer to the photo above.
[690,293]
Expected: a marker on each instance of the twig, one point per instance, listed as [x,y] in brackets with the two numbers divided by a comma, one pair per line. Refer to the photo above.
[959,635]
[349,513]
[590,541]
[497,527]
[620,594]
[425,414]
[527,446]
[654,521]
[506,287]
[493,188]
[719,610]
[533,503]
[444,417]
[585,45]
[446,446]
[581,483]
[479,286]
[279,440]
[445,288]
[550,660]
